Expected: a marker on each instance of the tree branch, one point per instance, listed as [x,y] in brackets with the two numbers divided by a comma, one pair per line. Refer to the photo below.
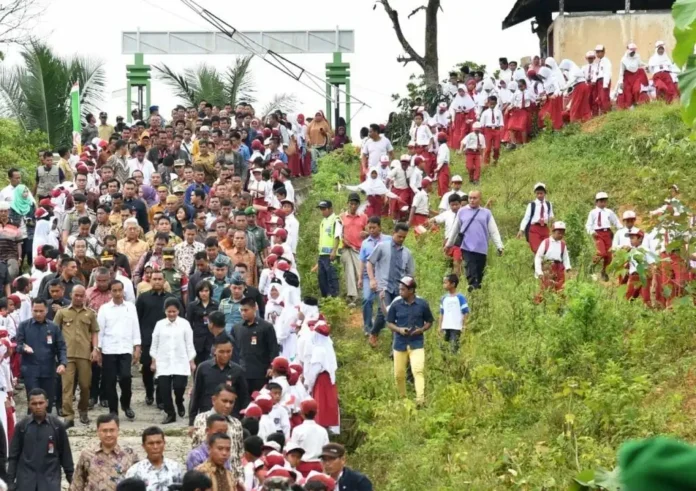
[416,10]
[17,20]
[404,59]
[394,16]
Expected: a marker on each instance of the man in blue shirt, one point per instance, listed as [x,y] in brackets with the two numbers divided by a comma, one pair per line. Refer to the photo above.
[408,317]
[375,237]
[40,342]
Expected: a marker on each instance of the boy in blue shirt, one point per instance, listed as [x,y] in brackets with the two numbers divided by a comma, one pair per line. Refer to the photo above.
[453,312]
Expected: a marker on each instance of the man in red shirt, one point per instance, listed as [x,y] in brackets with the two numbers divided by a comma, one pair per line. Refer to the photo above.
[354,224]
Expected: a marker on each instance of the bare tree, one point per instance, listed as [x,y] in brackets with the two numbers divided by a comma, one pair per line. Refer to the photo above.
[17,20]
[429,61]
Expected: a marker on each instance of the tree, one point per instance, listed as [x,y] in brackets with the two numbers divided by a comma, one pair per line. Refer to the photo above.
[37,93]
[17,18]
[233,86]
[684,14]
[429,61]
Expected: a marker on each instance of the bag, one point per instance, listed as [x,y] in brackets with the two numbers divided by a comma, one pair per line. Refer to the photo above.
[531,215]
[460,236]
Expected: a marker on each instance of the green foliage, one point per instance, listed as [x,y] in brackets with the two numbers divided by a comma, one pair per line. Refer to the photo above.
[537,393]
[37,93]
[473,67]
[19,149]
[684,14]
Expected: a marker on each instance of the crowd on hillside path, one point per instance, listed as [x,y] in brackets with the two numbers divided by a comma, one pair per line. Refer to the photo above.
[169,247]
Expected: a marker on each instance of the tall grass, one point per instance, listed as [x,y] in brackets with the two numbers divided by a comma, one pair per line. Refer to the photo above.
[537,392]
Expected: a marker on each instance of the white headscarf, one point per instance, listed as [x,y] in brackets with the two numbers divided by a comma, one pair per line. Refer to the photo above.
[373,186]
[631,63]
[558,75]
[574,73]
[323,353]
[659,59]
[462,102]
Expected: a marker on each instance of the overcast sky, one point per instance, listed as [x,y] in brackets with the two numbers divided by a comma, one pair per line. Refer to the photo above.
[467,31]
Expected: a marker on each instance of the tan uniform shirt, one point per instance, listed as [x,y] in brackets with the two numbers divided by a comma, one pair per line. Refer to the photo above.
[77,326]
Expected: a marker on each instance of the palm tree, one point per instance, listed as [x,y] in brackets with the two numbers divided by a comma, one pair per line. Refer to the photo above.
[232,86]
[37,93]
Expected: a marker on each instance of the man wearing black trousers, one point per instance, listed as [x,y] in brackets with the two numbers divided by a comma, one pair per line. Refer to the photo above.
[150,308]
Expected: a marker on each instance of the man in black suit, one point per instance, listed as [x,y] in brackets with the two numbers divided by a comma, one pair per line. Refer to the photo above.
[333,459]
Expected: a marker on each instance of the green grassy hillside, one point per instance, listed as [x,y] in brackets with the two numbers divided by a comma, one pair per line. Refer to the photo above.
[537,392]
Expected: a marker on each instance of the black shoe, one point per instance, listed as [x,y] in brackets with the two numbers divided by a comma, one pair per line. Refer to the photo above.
[181,410]
[69,424]
[149,400]
[59,412]
[160,406]
[92,403]
[84,418]
[104,403]
[169,418]
[130,414]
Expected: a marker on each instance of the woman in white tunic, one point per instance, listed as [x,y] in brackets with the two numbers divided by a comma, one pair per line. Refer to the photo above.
[173,355]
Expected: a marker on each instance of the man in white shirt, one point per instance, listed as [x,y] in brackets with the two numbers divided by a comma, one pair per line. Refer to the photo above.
[374,147]
[603,80]
[119,345]
[621,237]
[599,223]
[310,437]
[15,178]
[142,164]
[456,188]
[552,261]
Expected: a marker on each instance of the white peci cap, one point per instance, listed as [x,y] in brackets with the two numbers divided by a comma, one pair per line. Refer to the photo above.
[590,54]
[461,87]
[204,128]
[384,158]
[559,226]
[628,214]
[632,46]
[539,185]
[660,44]
[476,125]
[601,195]
[457,178]
[599,47]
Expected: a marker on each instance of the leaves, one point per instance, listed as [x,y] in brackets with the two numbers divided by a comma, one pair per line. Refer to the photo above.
[684,14]
[240,82]
[280,102]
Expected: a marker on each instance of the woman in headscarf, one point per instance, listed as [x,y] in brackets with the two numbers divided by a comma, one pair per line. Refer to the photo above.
[518,124]
[302,136]
[556,72]
[461,107]
[320,377]
[631,77]
[46,231]
[286,323]
[294,150]
[551,99]
[22,212]
[579,90]
[340,139]
[149,195]
[318,136]
[375,190]
[662,69]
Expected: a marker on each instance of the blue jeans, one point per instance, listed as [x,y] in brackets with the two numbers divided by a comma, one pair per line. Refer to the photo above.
[380,321]
[368,301]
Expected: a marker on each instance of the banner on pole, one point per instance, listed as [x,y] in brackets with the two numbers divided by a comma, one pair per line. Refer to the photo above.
[76,117]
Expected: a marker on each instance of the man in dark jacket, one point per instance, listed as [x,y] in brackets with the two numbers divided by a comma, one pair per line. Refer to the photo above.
[212,373]
[39,448]
[333,460]
[40,342]
[150,308]
[257,344]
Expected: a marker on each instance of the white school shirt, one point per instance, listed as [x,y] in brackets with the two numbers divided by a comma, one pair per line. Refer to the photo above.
[590,70]
[145,167]
[550,250]
[470,141]
[523,98]
[621,239]
[281,420]
[505,75]
[548,213]
[440,119]
[24,307]
[290,190]
[293,228]
[453,308]
[420,203]
[492,118]
[266,426]
[421,135]
[604,72]
[444,202]
[172,347]
[416,179]
[449,218]
[600,219]
[375,149]
[642,250]
[311,437]
[658,63]
[119,329]
[443,156]
[399,177]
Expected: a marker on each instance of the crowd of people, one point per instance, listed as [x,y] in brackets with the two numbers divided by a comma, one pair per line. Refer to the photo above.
[168,249]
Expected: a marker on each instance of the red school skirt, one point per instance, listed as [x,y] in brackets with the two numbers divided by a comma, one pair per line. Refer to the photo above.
[326,395]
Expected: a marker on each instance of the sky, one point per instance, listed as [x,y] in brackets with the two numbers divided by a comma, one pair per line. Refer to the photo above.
[467,31]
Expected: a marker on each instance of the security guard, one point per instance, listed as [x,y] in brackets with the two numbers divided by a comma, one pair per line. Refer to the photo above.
[177,281]
[330,232]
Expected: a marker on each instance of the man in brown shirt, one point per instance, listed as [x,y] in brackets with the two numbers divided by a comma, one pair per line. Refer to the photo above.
[240,254]
[80,328]
[131,245]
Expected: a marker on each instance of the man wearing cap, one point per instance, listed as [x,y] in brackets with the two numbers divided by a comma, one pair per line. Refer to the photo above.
[333,459]
[537,217]
[354,224]
[408,317]
[477,227]
[330,233]
[105,129]
[603,80]
[258,233]
[551,261]
[599,224]
[372,150]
